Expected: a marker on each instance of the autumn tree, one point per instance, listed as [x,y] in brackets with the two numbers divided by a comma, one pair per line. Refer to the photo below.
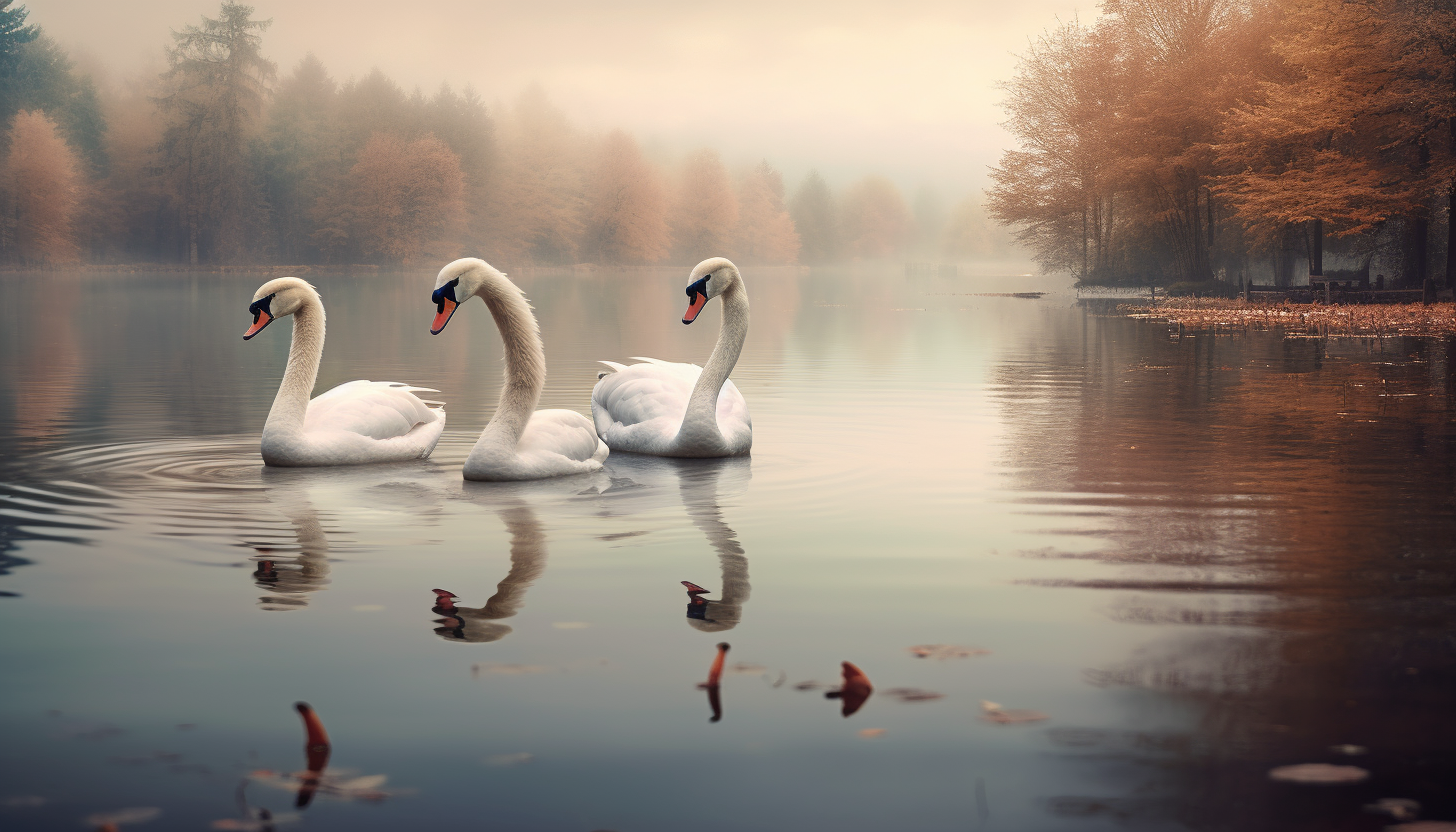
[874,220]
[626,205]
[41,191]
[1361,131]
[1057,187]
[42,77]
[400,201]
[765,231]
[301,156]
[812,210]
[536,201]
[705,208]
[216,83]
[461,120]
[969,233]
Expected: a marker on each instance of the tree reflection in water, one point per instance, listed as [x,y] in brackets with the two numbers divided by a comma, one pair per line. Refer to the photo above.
[1315,577]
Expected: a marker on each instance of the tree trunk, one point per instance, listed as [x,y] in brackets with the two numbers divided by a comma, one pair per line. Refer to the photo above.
[1315,240]
[1451,230]
[1413,256]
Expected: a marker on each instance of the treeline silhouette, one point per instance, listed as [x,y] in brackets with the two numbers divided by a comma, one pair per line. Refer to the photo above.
[219,160]
[1187,139]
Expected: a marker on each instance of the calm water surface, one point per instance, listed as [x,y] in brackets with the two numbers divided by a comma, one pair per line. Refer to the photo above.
[1199,558]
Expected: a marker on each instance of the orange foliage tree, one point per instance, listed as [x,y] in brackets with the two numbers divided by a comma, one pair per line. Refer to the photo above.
[1363,129]
[401,200]
[874,221]
[626,205]
[705,210]
[41,189]
[765,231]
[535,210]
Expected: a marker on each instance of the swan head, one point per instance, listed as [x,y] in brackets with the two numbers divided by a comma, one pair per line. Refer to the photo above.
[276,299]
[455,284]
[709,279]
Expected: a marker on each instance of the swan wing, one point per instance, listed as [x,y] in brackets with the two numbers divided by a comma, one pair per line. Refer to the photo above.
[376,409]
[640,408]
[555,443]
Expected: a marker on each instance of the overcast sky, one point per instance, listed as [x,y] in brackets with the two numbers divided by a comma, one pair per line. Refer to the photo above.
[906,89]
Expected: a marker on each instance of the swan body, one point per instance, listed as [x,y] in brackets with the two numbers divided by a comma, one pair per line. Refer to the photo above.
[520,442]
[668,409]
[354,423]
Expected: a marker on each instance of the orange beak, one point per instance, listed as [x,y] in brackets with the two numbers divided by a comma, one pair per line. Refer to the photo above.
[263,320]
[696,306]
[442,317]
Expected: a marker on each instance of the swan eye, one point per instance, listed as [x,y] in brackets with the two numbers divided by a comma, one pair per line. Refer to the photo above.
[261,305]
[444,293]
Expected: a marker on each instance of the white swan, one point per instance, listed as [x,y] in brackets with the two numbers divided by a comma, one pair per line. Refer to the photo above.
[520,442]
[356,422]
[667,409]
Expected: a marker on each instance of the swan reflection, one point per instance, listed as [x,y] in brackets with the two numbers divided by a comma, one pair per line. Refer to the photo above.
[290,578]
[373,500]
[638,482]
[528,561]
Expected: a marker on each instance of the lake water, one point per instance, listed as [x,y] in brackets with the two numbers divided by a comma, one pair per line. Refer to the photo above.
[1199,558]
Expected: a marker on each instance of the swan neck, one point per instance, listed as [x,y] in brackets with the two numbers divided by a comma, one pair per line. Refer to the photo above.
[528,561]
[524,356]
[306,349]
[702,412]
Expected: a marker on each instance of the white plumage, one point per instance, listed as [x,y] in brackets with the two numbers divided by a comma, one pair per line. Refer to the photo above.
[520,442]
[356,422]
[669,409]
[640,409]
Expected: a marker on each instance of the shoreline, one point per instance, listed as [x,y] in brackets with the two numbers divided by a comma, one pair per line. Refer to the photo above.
[1218,315]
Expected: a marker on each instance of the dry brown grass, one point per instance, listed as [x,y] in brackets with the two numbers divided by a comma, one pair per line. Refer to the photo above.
[1365,320]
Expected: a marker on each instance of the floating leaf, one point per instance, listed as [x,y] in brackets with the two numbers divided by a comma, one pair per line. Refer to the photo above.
[1400,808]
[945,651]
[1319,774]
[914,694]
[871,733]
[992,712]
[140,814]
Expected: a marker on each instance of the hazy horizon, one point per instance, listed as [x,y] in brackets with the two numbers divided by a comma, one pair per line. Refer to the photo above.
[907,90]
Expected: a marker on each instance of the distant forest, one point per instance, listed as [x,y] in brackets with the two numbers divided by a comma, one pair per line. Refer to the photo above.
[1188,140]
[220,161]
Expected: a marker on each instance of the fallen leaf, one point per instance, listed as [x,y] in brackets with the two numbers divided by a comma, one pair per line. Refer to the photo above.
[993,712]
[140,814]
[871,733]
[508,669]
[914,694]
[1400,808]
[945,651]
[1319,774]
